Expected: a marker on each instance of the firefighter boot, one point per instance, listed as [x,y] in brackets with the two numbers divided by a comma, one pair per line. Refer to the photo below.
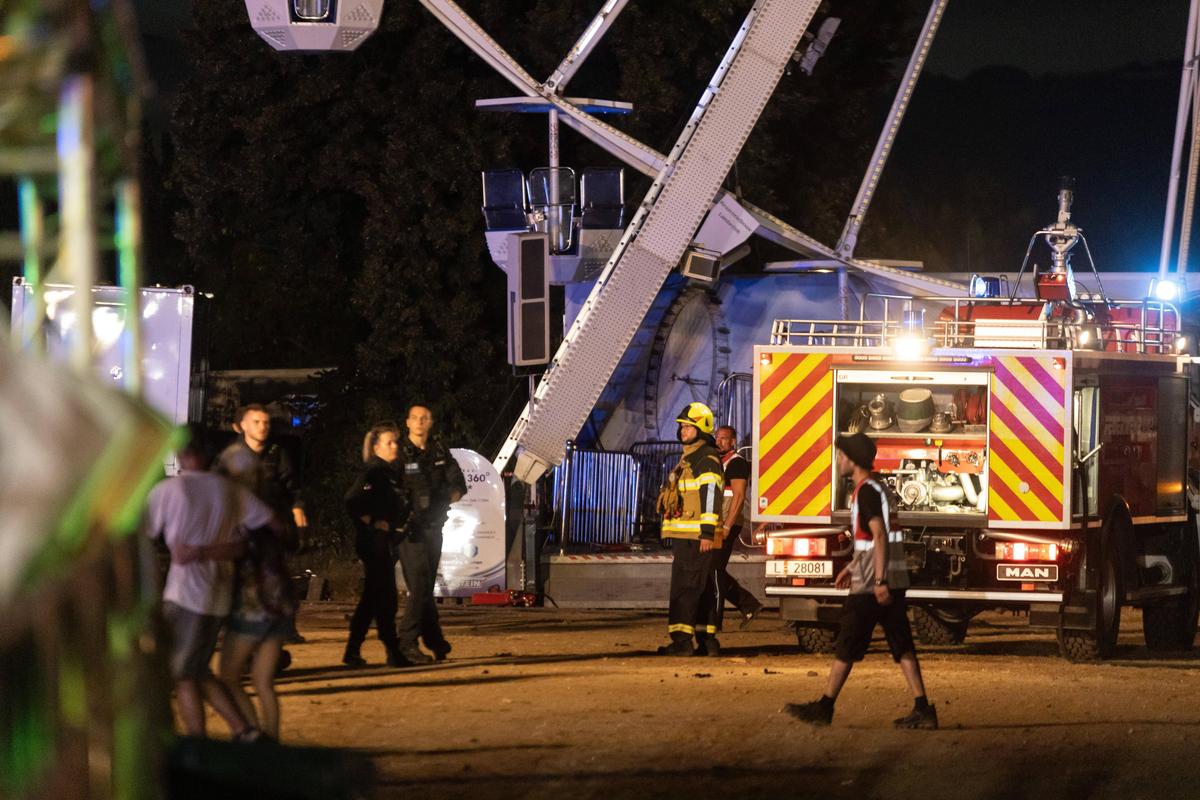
[707,646]
[679,646]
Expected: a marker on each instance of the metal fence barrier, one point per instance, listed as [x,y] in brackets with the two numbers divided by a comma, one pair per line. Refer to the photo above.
[596,497]
[735,404]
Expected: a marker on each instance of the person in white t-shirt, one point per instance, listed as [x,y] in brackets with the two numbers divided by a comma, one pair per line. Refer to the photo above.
[201,518]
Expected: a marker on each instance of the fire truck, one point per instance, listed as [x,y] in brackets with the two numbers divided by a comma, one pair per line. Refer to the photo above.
[1036,450]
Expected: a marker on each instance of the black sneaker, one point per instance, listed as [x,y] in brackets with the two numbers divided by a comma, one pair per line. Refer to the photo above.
[353,659]
[925,719]
[707,647]
[682,647]
[748,617]
[441,651]
[814,713]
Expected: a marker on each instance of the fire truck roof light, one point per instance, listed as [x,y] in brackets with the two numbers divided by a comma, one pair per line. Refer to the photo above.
[910,346]
[983,286]
[1164,290]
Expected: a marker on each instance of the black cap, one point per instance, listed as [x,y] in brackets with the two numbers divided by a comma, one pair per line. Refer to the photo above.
[859,448]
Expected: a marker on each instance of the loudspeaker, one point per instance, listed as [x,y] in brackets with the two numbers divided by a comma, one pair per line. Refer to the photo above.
[528,299]
[701,265]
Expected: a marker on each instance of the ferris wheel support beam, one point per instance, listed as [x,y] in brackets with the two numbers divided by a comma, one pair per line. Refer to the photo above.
[1187,84]
[584,46]
[891,127]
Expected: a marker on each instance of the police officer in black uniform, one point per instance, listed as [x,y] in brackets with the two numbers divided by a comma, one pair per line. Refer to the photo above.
[432,481]
[377,505]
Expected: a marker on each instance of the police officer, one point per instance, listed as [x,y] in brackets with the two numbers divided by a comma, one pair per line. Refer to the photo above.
[265,468]
[691,507]
[378,507]
[432,481]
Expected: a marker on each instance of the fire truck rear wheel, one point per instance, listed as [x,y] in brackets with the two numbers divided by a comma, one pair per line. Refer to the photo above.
[1172,626]
[815,638]
[1101,641]
[936,627]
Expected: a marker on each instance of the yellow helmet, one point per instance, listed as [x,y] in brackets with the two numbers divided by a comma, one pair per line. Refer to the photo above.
[698,415]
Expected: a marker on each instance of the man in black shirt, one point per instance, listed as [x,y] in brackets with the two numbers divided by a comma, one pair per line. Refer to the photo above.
[433,481]
[737,478]
[877,577]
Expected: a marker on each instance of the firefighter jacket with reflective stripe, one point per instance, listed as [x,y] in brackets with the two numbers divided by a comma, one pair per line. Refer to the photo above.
[698,481]
[862,567]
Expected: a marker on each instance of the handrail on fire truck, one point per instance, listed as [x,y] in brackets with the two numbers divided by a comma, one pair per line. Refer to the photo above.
[1153,329]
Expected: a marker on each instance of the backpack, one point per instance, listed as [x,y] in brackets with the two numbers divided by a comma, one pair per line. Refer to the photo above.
[266,554]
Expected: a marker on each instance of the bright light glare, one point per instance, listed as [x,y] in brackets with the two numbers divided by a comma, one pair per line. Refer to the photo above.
[1166,291]
[910,347]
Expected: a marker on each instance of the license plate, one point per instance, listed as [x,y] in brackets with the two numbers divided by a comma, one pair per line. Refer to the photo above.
[1028,573]
[795,568]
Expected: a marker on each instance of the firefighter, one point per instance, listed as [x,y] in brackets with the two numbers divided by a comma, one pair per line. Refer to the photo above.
[433,481]
[690,503]
[877,577]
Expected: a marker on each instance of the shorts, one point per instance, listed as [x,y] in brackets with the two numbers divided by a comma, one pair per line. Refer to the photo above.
[193,641]
[259,627]
[861,614]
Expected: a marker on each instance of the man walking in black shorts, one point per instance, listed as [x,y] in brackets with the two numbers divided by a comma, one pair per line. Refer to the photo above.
[877,577]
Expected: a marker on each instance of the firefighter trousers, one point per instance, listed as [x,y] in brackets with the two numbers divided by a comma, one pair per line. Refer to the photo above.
[693,592]
[379,600]
[420,551]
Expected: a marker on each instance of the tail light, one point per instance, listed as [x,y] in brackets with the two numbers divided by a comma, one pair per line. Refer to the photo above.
[1026,551]
[800,546]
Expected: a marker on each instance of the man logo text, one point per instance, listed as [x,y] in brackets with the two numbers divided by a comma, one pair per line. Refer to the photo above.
[1027,572]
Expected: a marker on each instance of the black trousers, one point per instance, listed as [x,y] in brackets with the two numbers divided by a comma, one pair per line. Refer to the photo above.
[379,600]
[693,594]
[420,551]
[729,589]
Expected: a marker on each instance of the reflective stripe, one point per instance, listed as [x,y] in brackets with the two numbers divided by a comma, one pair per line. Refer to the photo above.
[709,519]
[681,525]
[707,629]
[680,628]
[707,479]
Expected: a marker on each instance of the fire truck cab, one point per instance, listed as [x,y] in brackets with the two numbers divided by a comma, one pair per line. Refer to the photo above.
[1036,452]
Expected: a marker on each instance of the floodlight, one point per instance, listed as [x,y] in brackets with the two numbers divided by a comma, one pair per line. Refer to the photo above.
[984,286]
[1164,290]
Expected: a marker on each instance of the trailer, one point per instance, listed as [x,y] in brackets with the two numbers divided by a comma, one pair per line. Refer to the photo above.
[1036,449]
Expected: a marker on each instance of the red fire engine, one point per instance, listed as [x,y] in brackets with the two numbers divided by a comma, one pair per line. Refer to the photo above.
[1036,452]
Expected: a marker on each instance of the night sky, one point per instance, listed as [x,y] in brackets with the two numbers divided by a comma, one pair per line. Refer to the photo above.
[1059,36]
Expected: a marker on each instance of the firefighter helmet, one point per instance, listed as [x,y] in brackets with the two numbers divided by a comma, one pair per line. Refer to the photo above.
[698,415]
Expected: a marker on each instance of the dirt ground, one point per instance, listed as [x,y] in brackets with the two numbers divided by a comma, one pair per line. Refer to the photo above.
[540,703]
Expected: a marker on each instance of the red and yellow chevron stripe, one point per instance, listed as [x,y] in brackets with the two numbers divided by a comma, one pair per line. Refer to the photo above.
[795,435]
[1027,439]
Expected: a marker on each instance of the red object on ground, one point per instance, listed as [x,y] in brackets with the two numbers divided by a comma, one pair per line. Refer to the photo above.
[491,599]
